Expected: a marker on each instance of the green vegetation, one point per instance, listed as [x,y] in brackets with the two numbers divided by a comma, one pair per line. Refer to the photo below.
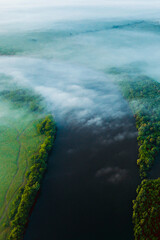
[23,98]
[7,52]
[26,137]
[143,95]
[146,211]
[22,205]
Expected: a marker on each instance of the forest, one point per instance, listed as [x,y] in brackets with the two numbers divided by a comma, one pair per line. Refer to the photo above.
[146,210]
[143,95]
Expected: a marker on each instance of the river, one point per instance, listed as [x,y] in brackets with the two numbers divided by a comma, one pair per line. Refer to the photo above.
[66,54]
[90,183]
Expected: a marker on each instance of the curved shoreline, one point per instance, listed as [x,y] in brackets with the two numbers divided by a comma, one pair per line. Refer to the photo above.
[34,178]
[143,95]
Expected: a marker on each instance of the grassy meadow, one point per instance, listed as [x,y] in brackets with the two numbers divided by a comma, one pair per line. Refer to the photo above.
[19,140]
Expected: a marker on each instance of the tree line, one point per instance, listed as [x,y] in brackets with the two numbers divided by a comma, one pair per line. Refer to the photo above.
[25,199]
[143,94]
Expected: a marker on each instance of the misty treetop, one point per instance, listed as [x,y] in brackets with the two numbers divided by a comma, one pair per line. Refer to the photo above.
[23,98]
[143,93]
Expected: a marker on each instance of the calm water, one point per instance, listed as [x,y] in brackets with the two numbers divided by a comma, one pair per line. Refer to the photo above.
[88,189]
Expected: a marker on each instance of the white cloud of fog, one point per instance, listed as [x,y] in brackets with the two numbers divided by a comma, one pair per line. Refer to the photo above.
[125,135]
[45,11]
[74,94]
[66,59]
[78,2]
[113,174]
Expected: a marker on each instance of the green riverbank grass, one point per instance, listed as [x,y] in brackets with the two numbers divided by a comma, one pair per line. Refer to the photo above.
[26,195]
[19,142]
[21,111]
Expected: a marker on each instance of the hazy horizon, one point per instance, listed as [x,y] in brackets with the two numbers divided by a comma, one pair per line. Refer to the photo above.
[81,2]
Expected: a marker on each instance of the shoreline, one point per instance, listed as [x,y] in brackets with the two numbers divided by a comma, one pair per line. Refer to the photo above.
[34,179]
[142,94]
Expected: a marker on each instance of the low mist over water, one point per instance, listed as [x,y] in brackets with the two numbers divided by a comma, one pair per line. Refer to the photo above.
[66,51]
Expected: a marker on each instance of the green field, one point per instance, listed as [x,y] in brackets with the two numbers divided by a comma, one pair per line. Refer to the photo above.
[19,140]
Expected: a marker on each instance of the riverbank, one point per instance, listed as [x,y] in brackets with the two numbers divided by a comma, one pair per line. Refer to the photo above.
[143,95]
[27,195]
[27,136]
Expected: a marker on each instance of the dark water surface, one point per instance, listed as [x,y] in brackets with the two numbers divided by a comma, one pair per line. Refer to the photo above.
[91,181]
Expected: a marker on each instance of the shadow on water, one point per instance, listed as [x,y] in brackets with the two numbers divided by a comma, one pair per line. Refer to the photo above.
[91,181]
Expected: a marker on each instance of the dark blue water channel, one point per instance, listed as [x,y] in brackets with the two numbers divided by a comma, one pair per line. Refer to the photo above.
[91,181]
